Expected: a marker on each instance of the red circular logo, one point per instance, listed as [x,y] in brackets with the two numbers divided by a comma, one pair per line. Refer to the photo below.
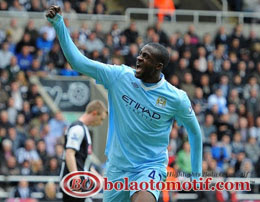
[81,184]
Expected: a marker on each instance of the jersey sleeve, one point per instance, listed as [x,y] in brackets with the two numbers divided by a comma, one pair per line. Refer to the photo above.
[103,73]
[74,137]
[187,118]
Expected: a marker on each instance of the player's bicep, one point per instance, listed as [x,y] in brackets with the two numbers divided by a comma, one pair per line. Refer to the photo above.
[74,138]
[108,74]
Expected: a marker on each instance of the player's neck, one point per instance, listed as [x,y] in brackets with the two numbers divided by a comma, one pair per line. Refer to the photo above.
[152,80]
[84,119]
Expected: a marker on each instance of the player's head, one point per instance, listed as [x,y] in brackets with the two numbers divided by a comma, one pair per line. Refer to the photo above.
[152,59]
[96,112]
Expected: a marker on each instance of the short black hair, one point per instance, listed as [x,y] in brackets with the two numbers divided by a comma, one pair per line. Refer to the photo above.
[163,54]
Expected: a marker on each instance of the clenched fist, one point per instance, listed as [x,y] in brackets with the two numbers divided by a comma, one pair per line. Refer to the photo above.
[52,11]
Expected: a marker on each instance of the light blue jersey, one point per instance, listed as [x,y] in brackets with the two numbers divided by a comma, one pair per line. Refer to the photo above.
[140,115]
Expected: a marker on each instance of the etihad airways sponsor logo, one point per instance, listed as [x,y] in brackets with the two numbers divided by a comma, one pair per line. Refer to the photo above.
[140,109]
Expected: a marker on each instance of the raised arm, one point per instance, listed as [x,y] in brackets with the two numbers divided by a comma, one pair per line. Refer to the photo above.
[187,118]
[102,72]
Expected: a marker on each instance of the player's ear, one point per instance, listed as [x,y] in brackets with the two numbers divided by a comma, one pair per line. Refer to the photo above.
[94,113]
[159,66]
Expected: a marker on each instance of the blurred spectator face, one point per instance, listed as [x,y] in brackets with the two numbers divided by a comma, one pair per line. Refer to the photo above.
[252,81]
[15,86]
[11,162]
[100,9]
[186,39]
[45,36]
[258,121]
[4,117]
[235,43]
[83,7]
[243,122]
[3,132]
[219,92]
[123,39]
[174,80]
[253,93]
[209,120]
[226,65]
[98,27]
[241,156]
[199,93]
[25,50]
[13,22]
[36,64]
[59,150]
[26,106]
[92,36]
[133,26]
[213,139]
[237,80]
[50,190]
[23,184]
[5,46]
[204,166]
[201,51]
[232,108]
[30,24]
[13,61]
[3,5]
[67,6]
[188,78]
[12,133]
[230,171]
[237,137]
[210,66]
[116,61]
[224,80]
[26,37]
[242,66]
[207,39]
[134,49]
[34,131]
[174,133]
[53,164]
[204,80]
[186,147]
[20,119]
[11,102]
[213,165]
[29,145]
[59,116]
[183,63]
[155,38]
[226,139]
[252,140]
[7,145]
[222,30]
[44,117]
[39,102]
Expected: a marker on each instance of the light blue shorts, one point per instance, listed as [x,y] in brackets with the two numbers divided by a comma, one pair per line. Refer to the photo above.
[113,174]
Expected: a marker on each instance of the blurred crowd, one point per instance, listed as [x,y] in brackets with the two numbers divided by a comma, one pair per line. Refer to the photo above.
[68,6]
[220,73]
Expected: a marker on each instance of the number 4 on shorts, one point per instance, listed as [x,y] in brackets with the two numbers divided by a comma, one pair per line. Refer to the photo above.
[152,174]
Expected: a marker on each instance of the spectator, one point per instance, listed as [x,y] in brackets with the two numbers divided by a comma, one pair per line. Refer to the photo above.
[14,29]
[219,100]
[25,58]
[188,86]
[68,71]
[183,159]
[93,43]
[252,149]
[23,190]
[131,33]
[5,56]
[28,152]
[208,128]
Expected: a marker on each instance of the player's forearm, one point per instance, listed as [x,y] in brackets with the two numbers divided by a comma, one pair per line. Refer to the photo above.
[71,161]
[76,59]
[195,139]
